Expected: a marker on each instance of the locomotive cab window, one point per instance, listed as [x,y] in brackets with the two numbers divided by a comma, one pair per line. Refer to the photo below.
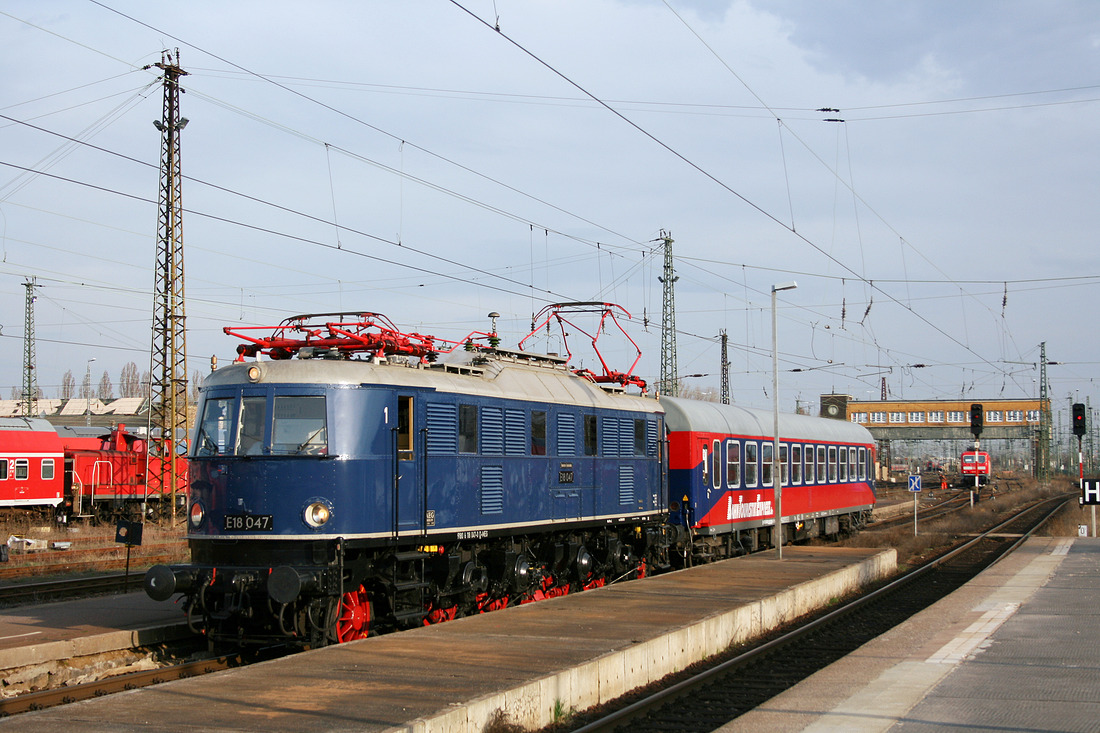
[250,439]
[404,428]
[300,426]
[213,435]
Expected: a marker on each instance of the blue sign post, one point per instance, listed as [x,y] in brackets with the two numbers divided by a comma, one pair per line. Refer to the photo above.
[914,486]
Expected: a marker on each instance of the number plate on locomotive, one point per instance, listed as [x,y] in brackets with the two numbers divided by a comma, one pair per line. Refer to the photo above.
[249,523]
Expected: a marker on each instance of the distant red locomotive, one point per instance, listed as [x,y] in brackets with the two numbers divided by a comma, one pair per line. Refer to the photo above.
[76,476]
[975,463]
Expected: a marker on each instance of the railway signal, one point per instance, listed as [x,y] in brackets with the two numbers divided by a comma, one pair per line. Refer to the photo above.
[976,419]
[1079,424]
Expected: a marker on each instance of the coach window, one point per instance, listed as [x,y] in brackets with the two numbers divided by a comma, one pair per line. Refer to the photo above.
[716,463]
[809,464]
[832,463]
[766,451]
[47,469]
[22,469]
[590,435]
[862,464]
[300,426]
[467,428]
[852,464]
[784,474]
[250,441]
[538,432]
[752,455]
[705,463]
[733,464]
[821,464]
[796,464]
[843,464]
[404,427]
[217,419]
[3,469]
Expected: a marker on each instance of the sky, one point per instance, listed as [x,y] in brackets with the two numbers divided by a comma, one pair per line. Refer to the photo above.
[926,172]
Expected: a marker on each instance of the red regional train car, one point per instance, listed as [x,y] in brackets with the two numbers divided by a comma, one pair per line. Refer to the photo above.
[75,475]
[32,464]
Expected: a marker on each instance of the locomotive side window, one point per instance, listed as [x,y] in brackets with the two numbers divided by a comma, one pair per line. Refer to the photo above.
[213,436]
[767,450]
[538,432]
[639,438]
[590,435]
[843,463]
[467,428]
[47,469]
[250,441]
[733,464]
[404,428]
[796,464]
[3,469]
[300,425]
[832,463]
[752,456]
[821,464]
[22,469]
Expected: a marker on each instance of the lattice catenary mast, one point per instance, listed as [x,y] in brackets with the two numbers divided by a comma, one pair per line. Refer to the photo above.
[1042,447]
[669,383]
[29,401]
[725,384]
[168,411]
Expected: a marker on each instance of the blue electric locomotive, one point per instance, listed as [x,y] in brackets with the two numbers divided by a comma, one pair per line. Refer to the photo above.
[334,495]
[352,482]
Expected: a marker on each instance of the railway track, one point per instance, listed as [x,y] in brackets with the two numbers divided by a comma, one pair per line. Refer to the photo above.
[729,687]
[69,588]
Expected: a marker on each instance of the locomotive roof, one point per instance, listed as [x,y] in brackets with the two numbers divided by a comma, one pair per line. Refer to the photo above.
[693,415]
[501,374]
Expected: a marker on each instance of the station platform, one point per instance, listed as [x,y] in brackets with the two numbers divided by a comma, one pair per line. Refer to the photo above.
[525,663]
[1016,649]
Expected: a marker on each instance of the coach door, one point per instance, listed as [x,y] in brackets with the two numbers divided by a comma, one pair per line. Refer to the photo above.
[408,480]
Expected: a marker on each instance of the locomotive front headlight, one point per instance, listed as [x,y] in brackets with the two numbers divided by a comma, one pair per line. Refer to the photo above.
[317,514]
[197,514]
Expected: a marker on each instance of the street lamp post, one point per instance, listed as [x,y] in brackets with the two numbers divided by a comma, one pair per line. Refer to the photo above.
[88,393]
[777,469]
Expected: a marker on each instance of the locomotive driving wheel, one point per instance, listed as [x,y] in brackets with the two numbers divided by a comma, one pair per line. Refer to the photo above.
[352,616]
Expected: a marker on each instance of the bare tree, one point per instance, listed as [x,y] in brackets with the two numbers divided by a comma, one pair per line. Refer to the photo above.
[129,382]
[68,386]
[106,390]
[196,384]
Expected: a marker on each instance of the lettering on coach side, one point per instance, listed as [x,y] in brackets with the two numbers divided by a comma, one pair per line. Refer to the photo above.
[748,509]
